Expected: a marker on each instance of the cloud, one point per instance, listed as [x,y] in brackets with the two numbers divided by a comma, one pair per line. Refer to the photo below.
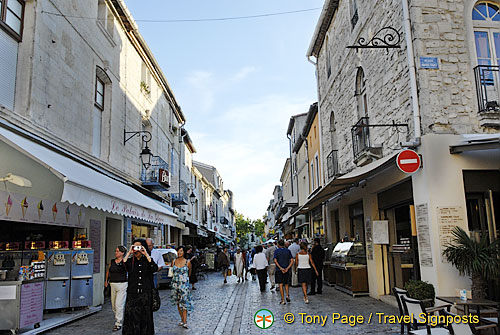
[243,73]
[202,90]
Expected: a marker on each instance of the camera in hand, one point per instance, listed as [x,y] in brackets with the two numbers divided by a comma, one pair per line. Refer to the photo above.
[137,248]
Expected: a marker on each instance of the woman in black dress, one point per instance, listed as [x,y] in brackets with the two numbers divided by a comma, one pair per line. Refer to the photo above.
[191,256]
[138,319]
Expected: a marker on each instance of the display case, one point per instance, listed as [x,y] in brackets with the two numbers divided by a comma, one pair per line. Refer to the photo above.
[348,271]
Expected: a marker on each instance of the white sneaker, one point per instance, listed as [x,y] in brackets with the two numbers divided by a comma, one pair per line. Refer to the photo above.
[181,324]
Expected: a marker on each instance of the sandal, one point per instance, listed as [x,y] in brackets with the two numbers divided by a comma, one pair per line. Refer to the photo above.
[117,328]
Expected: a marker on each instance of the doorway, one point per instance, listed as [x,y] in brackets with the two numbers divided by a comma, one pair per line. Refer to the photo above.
[114,236]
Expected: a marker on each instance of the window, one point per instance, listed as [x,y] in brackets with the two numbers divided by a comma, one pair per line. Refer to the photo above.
[317,170]
[11,16]
[313,179]
[145,80]
[486,21]
[328,62]
[361,94]
[97,117]
[105,17]
[354,13]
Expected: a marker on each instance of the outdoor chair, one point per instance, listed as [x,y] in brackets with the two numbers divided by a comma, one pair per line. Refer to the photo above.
[398,293]
[415,308]
[466,328]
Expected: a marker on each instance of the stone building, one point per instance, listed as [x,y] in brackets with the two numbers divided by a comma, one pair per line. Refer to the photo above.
[399,74]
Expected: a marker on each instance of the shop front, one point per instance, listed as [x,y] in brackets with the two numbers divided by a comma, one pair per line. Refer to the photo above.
[55,213]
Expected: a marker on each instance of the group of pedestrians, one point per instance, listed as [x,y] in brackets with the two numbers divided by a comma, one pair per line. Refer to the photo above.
[284,264]
[131,277]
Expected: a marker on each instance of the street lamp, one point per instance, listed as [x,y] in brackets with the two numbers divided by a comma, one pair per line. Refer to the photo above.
[192,198]
[145,152]
[16,180]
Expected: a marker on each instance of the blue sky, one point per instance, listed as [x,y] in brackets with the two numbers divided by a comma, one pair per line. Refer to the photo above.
[238,82]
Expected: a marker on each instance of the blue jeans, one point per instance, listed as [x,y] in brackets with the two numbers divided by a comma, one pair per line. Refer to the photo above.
[155,279]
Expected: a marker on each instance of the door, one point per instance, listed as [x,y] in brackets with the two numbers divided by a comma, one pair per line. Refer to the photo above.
[113,238]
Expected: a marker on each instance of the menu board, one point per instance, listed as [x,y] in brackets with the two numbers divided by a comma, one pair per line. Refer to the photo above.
[31,304]
[95,238]
[369,238]
[381,232]
[448,218]
[424,237]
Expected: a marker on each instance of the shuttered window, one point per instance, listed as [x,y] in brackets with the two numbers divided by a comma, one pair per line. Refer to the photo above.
[8,66]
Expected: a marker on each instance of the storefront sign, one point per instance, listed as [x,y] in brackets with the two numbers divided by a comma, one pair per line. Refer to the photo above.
[164,177]
[424,237]
[202,233]
[369,238]
[381,232]
[19,207]
[95,238]
[136,212]
[31,309]
[448,218]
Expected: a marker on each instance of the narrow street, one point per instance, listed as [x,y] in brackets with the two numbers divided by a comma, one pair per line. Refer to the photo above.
[230,309]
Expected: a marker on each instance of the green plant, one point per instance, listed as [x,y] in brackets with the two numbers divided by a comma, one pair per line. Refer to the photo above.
[145,88]
[421,290]
[478,259]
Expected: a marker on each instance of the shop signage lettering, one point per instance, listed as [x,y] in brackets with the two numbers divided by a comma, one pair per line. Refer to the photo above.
[140,213]
[448,218]
[423,234]
[163,177]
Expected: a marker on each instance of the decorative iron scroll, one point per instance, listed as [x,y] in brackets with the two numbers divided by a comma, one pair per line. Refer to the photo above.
[385,38]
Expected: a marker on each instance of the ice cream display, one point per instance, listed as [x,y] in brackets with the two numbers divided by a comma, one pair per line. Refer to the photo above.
[67,213]
[54,211]
[24,206]
[40,209]
[8,206]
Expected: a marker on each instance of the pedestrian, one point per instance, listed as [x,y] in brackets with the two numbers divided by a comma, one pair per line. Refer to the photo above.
[303,262]
[116,278]
[318,256]
[138,317]
[261,265]
[157,257]
[294,249]
[245,266]
[193,260]
[181,293]
[272,266]
[223,262]
[283,260]
[239,264]
[251,266]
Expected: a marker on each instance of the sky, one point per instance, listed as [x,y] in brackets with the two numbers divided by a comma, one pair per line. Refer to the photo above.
[237,82]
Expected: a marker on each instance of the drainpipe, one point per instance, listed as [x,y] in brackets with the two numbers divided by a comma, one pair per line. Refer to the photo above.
[413,78]
[291,162]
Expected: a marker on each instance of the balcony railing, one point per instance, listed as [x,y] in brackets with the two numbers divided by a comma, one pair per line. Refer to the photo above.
[157,176]
[360,137]
[488,87]
[180,198]
[332,164]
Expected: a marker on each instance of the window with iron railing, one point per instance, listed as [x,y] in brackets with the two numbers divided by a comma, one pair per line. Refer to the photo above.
[332,164]
[360,137]
[487,87]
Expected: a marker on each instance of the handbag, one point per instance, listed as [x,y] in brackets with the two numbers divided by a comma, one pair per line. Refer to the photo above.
[156,299]
[170,272]
[229,272]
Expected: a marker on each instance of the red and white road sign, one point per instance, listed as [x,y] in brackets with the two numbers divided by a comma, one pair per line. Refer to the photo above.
[408,161]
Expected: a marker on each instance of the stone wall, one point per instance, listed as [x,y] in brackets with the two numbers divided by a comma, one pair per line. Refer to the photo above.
[55,88]
[447,98]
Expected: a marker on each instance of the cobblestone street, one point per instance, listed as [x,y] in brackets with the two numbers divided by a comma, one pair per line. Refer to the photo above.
[230,309]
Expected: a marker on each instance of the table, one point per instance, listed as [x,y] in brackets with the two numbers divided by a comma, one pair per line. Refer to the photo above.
[469,302]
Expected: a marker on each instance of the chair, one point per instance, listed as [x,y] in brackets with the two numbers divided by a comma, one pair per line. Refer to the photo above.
[466,328]
[414,308]
[398,293]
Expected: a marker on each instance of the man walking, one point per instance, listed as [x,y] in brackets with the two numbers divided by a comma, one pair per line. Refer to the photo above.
[283,261]
[157,257]
[223,262]
[294,249]
[272,266]
[260,262]
[318,255]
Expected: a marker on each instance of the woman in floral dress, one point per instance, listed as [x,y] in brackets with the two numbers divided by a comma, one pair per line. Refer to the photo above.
[181,291]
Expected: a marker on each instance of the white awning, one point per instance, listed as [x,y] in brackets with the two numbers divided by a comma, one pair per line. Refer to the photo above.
[85,186]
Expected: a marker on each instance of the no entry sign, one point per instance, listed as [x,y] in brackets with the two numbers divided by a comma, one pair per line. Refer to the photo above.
[408,161]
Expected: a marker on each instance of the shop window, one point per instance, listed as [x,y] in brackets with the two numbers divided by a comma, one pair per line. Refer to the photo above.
[11,17]
[357,226]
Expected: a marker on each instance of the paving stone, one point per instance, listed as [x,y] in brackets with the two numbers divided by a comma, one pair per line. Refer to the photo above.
[230,308]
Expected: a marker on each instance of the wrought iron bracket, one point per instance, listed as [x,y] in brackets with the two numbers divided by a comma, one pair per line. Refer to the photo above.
[127,135]
[391,39]
[393,124]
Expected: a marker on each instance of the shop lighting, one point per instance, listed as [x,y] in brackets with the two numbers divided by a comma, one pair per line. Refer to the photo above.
[16,180]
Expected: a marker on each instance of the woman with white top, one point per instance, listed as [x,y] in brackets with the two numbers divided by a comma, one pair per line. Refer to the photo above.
[303,262]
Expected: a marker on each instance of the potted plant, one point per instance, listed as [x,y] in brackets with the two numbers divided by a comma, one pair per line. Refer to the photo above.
[421,290]
[478,259]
